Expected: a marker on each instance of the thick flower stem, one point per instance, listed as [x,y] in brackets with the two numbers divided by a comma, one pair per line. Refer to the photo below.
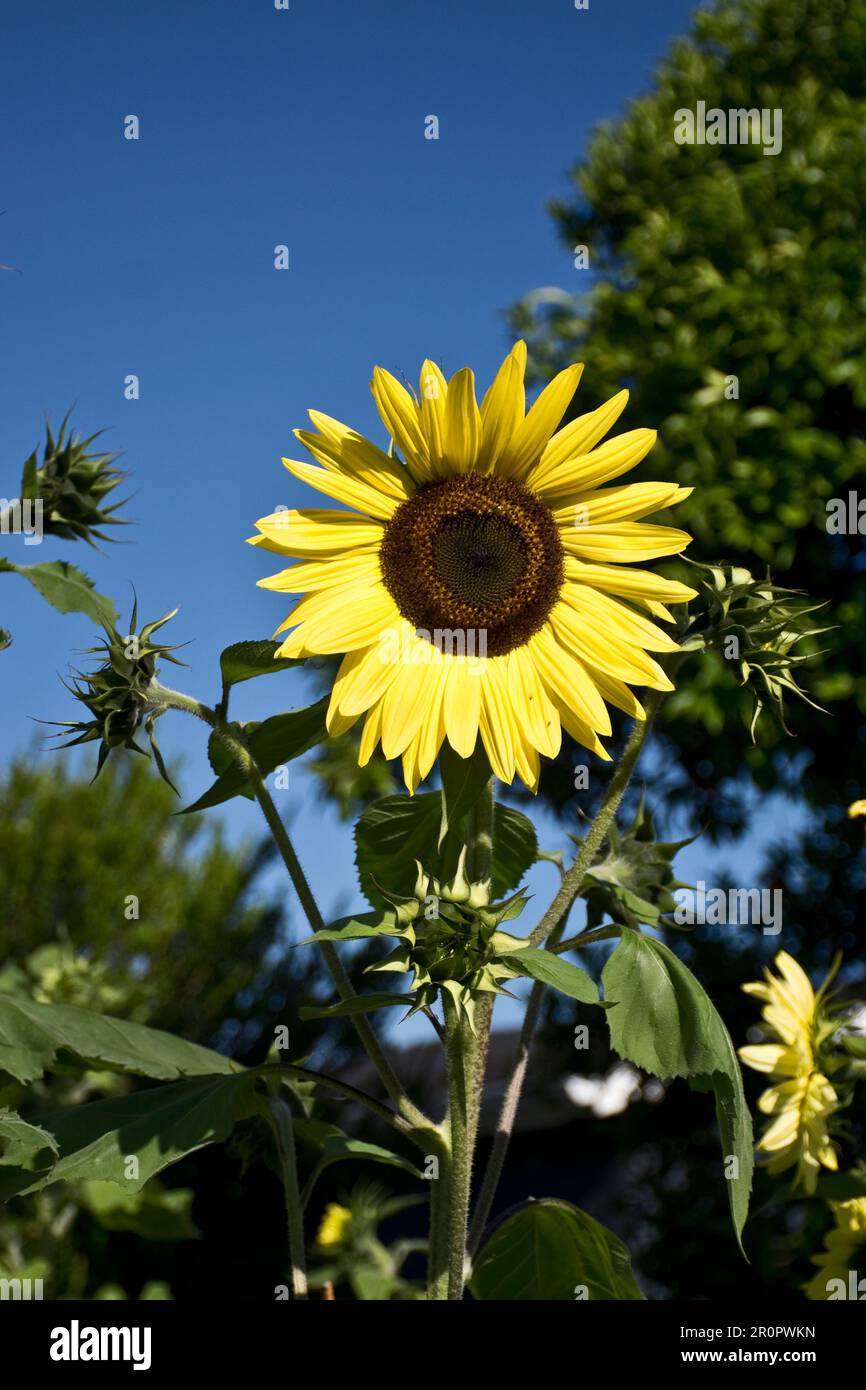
[438,1241]
[547,934]
[461,1056]
[281,1120]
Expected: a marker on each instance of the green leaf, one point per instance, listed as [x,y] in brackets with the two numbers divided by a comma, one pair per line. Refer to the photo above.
[515,848]
[463,781]
[360,1004]
[396,830]
[338,1148]
[154,1213]
[273,742]
[67,589]
[5,638]
[356,928]
[552,1251]
[245,660]
[664,1021]
[158,1127]
[23,1148]
[35,1037]
[554,971]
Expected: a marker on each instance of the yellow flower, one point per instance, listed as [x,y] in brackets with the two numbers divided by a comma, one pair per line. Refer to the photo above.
[802,1100]
[843,1243]
[335,1222]
[478,587]
[857,808]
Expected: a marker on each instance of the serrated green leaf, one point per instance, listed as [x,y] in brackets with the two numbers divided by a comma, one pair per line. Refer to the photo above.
[554,971]
[24,1148]
[552,1251]
[67,589]
[34,1037]
[157,1127]
[463,781]
[396,831]
[664,1021]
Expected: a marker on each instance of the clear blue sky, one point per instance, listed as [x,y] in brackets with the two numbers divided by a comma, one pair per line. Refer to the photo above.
[155,257]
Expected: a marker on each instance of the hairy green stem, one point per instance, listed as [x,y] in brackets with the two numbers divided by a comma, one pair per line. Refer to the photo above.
[437,1245]
[281,1120]
[460,1057]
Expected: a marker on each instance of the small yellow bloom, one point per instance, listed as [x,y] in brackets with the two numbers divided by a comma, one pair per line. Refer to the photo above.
[335,1223]
[857,808]
[843,1243]
[802,1100]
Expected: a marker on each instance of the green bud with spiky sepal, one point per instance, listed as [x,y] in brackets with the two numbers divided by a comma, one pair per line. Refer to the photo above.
[456,940]
[119,693]
[757,624]
[73,486]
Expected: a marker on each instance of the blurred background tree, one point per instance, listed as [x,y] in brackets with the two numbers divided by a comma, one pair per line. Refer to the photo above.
[109,900]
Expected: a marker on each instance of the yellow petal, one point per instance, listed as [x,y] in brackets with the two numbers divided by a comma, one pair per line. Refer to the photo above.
[623,541]
[402,419]
[764,1057]
[497,731]
[557,481]
[403,708]
[615,617]
[362,679]
[502,410]
[462,422]
[315,533]
[629,502]
[434,393]
[345,451]
[580,634]
[568,679]
[309,575]
[628,583]
[579,730]
[538,717]
[462,705]
[344,487]
[533,433]
[370,735]
[356,622]
[577,438]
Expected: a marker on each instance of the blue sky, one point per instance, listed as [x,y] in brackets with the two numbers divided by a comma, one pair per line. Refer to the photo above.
[261,127]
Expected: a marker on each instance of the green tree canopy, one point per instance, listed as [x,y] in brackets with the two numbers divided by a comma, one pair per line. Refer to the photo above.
[719,261]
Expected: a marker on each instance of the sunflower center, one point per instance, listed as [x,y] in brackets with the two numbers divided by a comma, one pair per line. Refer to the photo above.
[474,553]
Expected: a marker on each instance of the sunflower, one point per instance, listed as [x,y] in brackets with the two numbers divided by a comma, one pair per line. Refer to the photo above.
[802,1100]
[844,1245]
[481,584]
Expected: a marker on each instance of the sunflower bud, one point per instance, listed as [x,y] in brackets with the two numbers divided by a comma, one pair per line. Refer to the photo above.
[757,624]
[455,942]
[72,486]
[119,693]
